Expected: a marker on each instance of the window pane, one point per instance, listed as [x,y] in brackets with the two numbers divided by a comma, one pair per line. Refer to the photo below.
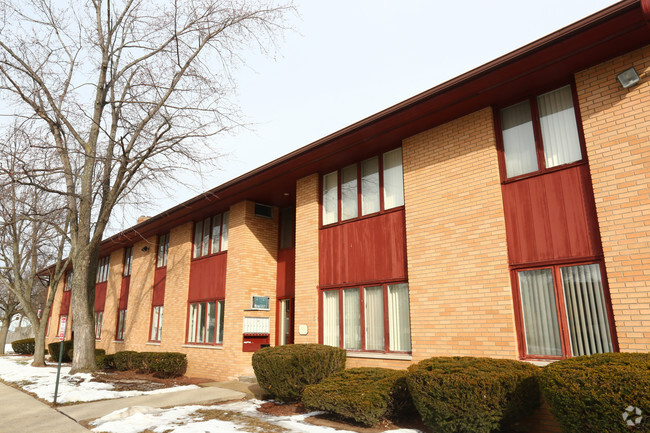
[212,306]
[206,236]
[198,230]
[349,206]
[220,313]
[586,310]
[285,321]
[200,334]
[330,198]
[128,258]
[399,322]
[166,251]
[518,139]
[331,318]
[160,322]
[374,315]
[370,186]
[216,233]
[154,324]
[351,319]
[540,313]
[191,333]
[393,179]
[224,231]
[557,120]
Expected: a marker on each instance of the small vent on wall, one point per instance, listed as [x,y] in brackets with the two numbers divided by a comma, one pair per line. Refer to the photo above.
[264,211]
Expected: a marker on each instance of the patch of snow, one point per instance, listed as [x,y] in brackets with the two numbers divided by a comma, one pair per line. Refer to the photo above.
[8,349]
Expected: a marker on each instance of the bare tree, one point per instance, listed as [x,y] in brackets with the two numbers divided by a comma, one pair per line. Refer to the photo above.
[127,91]
[9,307]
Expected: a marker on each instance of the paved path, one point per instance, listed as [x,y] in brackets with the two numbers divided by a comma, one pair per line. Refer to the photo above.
[20,412]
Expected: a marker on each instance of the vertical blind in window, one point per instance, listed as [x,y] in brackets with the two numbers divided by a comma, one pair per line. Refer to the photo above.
[370,186]
[518,139]
[541,324]
[330,198]
[351,319]
[559,128]
[393,179]
[331,318]
[374,312]
[586,311]
[399,324]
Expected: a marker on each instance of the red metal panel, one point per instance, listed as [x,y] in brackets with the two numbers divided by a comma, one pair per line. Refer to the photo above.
[369,249]
[208,278]
[65,302]
[159,278]
[100,296]
[124,292]
[286,273]
[551,217]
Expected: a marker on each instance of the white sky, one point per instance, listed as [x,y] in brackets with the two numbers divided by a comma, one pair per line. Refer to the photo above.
[349,59]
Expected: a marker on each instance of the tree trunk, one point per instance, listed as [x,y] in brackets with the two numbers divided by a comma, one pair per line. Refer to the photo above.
[39,342]
[83,323]
[3,334]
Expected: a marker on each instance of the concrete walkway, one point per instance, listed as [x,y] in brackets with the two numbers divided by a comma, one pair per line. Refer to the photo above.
[20,412]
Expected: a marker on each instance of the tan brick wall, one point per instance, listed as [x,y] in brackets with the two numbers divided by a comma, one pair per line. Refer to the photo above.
[109,325]
[306,307]
[616,125]
[459,284]
[51,335]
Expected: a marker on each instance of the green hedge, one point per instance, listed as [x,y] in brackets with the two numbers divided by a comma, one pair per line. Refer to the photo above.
[162,364]
[364,395]
[53,348]
[590,393]
[284,371]
[23,347]
[473,395]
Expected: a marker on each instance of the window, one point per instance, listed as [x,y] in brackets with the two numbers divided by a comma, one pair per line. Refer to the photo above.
[285,319]
[540,133]
[366,311]
[99,315]
[206,322]
[564,312]
[121,324]
[156,322]
[128,261]
[368,187]
[287,224]
[67,284]
[163,250]
[102,269]
[211,235]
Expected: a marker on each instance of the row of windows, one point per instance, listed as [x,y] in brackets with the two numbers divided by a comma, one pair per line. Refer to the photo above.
[211,235]
[364,188]
[102,269]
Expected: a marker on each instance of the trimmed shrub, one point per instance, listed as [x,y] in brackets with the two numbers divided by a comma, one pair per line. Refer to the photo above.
[163,364]
[591,393]
[23,347]
[284,371]
[364,395]
[107,362]
[53,348]
[126,360]
[473,395]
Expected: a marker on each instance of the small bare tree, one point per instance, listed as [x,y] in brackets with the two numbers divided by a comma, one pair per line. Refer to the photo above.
[126,91]
[9,308]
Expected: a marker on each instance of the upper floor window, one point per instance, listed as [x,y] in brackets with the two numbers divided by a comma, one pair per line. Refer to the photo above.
[211,235]
[364,188]
[540,133]
[128,261]
[163,250]
[102,269]
[67,283]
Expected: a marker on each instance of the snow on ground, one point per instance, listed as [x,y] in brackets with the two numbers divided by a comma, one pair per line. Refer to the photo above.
[72,388]
[9,349]
[186,419]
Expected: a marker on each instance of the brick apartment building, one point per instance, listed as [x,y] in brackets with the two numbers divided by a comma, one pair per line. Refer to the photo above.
[504,213]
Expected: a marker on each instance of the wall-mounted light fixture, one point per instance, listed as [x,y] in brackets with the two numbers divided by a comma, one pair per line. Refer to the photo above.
[628,78]
[145,249]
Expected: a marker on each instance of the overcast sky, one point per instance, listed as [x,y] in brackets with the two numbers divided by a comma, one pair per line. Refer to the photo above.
[348,59]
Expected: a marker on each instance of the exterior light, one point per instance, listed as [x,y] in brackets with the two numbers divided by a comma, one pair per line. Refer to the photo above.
[628,78]
[145,249]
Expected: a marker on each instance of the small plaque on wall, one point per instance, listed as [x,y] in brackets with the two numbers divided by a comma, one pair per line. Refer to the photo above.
[302,329]
[260,303]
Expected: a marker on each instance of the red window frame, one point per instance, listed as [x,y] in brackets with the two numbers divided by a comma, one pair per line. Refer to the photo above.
[292,302]
[157,325]
[216,322]
[67,283]
[121,324]
[162,251]
[537,133]
[560,306]
[382,209]
[209,251]
[128,262]
[98,324]
[362,320]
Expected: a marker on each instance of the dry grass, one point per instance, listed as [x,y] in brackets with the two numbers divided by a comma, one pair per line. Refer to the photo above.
[245,423]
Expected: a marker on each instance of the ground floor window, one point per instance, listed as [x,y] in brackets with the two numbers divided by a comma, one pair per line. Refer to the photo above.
[285,321]
[564,311]
[99,315]
[371,318]
[206,322]
[121,323]
[156,322]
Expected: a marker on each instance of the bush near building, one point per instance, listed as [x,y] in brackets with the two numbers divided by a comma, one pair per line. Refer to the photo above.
[53,348]
[162,364]
[284,371]
[591,393]
[363,395]
[473,395]
[24,346]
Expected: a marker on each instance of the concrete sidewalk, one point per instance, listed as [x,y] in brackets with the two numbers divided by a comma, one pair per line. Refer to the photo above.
[21,412]
[97,409]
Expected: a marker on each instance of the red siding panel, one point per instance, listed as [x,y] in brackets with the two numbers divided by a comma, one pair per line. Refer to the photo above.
[159,278]
[100,296]
[124,293]
[208,278]
[551,217]
[65,303]
[370,249]
[286,273]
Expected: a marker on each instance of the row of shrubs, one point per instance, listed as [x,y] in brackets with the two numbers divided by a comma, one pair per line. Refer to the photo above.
[463,394]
